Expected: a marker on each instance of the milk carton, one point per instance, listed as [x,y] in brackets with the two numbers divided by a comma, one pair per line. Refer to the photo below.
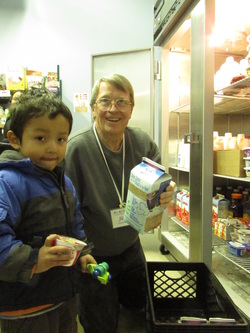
[223,229]
[219,208]
[147,181]
[185,209]
[179,201]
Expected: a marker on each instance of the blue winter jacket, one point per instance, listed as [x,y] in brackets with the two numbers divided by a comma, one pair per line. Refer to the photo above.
[34,203]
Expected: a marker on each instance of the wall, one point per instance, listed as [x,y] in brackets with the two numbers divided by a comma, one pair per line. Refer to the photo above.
[40,34]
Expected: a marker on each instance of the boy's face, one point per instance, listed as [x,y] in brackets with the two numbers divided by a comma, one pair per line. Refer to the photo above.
[44,140]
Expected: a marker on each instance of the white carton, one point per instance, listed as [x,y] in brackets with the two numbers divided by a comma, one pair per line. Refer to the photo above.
[147,181]
[179,201]
[75,245]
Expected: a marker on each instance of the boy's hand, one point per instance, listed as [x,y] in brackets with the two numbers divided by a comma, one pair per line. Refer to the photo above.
[167,196]
[51,255]
[84,260]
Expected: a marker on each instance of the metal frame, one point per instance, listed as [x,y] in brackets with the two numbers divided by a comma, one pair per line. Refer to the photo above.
[201,128]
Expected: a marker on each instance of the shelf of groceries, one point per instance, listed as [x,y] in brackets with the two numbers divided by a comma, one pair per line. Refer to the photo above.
[232,99]
[219,245]
[231,235]
[240,179]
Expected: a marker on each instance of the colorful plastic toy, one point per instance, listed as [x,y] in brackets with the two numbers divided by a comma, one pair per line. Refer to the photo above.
[100,272]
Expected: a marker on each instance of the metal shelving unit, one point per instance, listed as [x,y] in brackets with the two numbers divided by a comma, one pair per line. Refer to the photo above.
[243,262]
[188,76]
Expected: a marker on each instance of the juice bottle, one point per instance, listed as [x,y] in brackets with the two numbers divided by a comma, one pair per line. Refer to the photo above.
[236,209]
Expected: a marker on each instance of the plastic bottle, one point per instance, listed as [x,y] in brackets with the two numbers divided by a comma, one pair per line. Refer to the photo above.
[236,209]
[219,190]
[186,151]
[218,141]
[243,66]
[227,138]
[227,71]
[242,142]
[245,196]
[229,192]
[223,208]
[248,190]
[232,143]
[180,161]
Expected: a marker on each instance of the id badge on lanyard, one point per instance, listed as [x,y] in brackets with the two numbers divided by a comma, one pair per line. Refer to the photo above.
[117,215]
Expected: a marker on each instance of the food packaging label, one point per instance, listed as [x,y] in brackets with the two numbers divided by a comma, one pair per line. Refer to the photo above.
[219,208]
[147,181]
[179,201]
[223,230]
[75,245]
[185,209]
[16,78]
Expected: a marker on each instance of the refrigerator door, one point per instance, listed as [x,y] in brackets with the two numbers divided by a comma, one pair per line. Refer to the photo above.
[186,100]
[198,96]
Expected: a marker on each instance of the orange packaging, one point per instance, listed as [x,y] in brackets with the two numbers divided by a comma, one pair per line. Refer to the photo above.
[179,200]
[185,209]
[223,230]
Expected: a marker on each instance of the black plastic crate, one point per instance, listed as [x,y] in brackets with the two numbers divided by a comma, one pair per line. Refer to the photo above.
[177,289]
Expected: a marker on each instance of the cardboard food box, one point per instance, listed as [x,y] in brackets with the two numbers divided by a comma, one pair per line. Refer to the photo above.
[16,78]
[34,79]
[51,82]
[229,163]
[185,209]
[147,181]
[179,201]
[223,230]
[219,207]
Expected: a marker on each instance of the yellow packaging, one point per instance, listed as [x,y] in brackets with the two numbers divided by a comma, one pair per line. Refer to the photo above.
[16,78]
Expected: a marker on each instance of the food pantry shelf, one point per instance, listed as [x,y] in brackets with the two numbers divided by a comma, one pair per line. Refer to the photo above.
[242,261]
[234,279]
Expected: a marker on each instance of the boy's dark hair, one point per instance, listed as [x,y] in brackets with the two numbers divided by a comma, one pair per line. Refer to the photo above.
[34,103]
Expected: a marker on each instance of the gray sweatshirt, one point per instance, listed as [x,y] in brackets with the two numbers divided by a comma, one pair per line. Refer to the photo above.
[96,192]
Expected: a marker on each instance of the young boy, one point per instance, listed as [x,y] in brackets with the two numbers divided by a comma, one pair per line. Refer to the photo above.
[37,204]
